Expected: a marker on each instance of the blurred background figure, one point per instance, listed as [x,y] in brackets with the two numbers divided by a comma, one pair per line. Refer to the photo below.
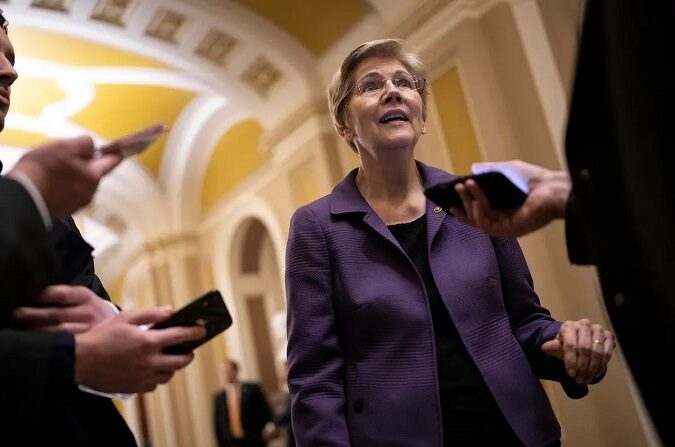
[240,411]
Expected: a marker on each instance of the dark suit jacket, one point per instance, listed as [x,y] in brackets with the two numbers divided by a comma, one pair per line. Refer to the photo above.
[37,369]
[95,419]
[255,413]
[362,368]
[621,215]
[40,403]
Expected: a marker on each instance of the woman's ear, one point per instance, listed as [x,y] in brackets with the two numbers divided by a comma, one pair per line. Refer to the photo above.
[345,133]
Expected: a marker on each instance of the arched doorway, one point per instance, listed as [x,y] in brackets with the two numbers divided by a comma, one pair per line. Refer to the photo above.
[258,296]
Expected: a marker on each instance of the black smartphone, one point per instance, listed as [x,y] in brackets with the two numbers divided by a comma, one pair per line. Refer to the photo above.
[208,311]
[499,190]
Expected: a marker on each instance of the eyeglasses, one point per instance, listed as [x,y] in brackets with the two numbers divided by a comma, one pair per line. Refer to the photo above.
[375,86]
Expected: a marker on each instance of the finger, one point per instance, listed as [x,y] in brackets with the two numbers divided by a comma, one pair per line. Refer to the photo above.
[481,211]
[103,165]
[82,146]
[464,196]
[553,348]
[596,364]
[568,339]
[146,316]
[584,350]
[63,295]
[478,194]
[171,363]
[44,316]
[70,327]
[34,316]
[608,349]
[174,335]
[162,377]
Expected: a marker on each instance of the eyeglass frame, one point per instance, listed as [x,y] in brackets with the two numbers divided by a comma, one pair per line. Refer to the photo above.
[420,85]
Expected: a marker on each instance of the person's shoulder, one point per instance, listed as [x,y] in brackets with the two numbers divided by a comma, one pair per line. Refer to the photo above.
[316,211]
[321,208]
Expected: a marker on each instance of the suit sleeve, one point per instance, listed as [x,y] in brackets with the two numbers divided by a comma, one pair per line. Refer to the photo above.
[315,356]
[27,262]
[37,368]
[532,323]
[577,233]
[75,255]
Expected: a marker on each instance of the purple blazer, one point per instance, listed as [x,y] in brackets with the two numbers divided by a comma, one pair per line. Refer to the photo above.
[362,361]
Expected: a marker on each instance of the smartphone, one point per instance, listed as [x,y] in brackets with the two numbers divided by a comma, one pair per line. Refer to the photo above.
[499,190]
[134,143]
[208,311]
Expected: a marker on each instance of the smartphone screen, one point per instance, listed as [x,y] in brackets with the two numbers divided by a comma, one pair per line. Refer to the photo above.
[208,311]
[134,143]
[499,190]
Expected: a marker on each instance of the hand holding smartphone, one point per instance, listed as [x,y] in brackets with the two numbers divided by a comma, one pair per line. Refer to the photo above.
[208,311]
[134,143]
[500,191]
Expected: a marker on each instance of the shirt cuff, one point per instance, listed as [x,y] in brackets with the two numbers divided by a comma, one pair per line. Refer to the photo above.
[114,308]
[28,185]
[86,389]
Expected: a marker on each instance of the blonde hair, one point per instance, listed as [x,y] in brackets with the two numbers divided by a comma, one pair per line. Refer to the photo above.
[342,84]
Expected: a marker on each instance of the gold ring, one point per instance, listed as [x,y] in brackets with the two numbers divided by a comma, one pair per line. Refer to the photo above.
[597,341]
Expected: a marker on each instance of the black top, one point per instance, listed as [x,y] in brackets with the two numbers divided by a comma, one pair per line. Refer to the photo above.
[470,413]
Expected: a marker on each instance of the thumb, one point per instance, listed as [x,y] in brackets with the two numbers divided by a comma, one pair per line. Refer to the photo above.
[103,165]
[553,348]
[83,145]
[146,316]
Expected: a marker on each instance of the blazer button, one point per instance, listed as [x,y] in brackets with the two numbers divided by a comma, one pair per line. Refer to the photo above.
[585,175]
[358,406]
[619,299]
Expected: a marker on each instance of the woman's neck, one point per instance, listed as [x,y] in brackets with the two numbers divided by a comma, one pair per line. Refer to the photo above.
[392,187]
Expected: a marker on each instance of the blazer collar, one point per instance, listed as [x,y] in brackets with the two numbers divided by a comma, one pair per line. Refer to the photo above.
[346,197]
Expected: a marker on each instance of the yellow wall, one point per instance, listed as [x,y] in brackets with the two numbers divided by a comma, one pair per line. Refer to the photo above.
[316,24]
[236,155]
[458,130]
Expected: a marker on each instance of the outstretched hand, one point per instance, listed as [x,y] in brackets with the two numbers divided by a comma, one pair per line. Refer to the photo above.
[66,173]
[119,356]
[546,200]
[584,347]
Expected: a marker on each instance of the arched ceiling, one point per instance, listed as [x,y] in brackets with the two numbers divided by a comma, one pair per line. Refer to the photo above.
[317,25]
[216,71]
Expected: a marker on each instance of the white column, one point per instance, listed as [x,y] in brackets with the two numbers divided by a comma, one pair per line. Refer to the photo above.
[544,70]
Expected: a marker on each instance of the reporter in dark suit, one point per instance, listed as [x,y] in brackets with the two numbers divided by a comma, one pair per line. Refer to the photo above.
[619,202]
[240,411]
[41,368]
[47,352]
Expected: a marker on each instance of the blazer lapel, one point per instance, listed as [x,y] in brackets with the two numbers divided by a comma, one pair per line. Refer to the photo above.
[346,199]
